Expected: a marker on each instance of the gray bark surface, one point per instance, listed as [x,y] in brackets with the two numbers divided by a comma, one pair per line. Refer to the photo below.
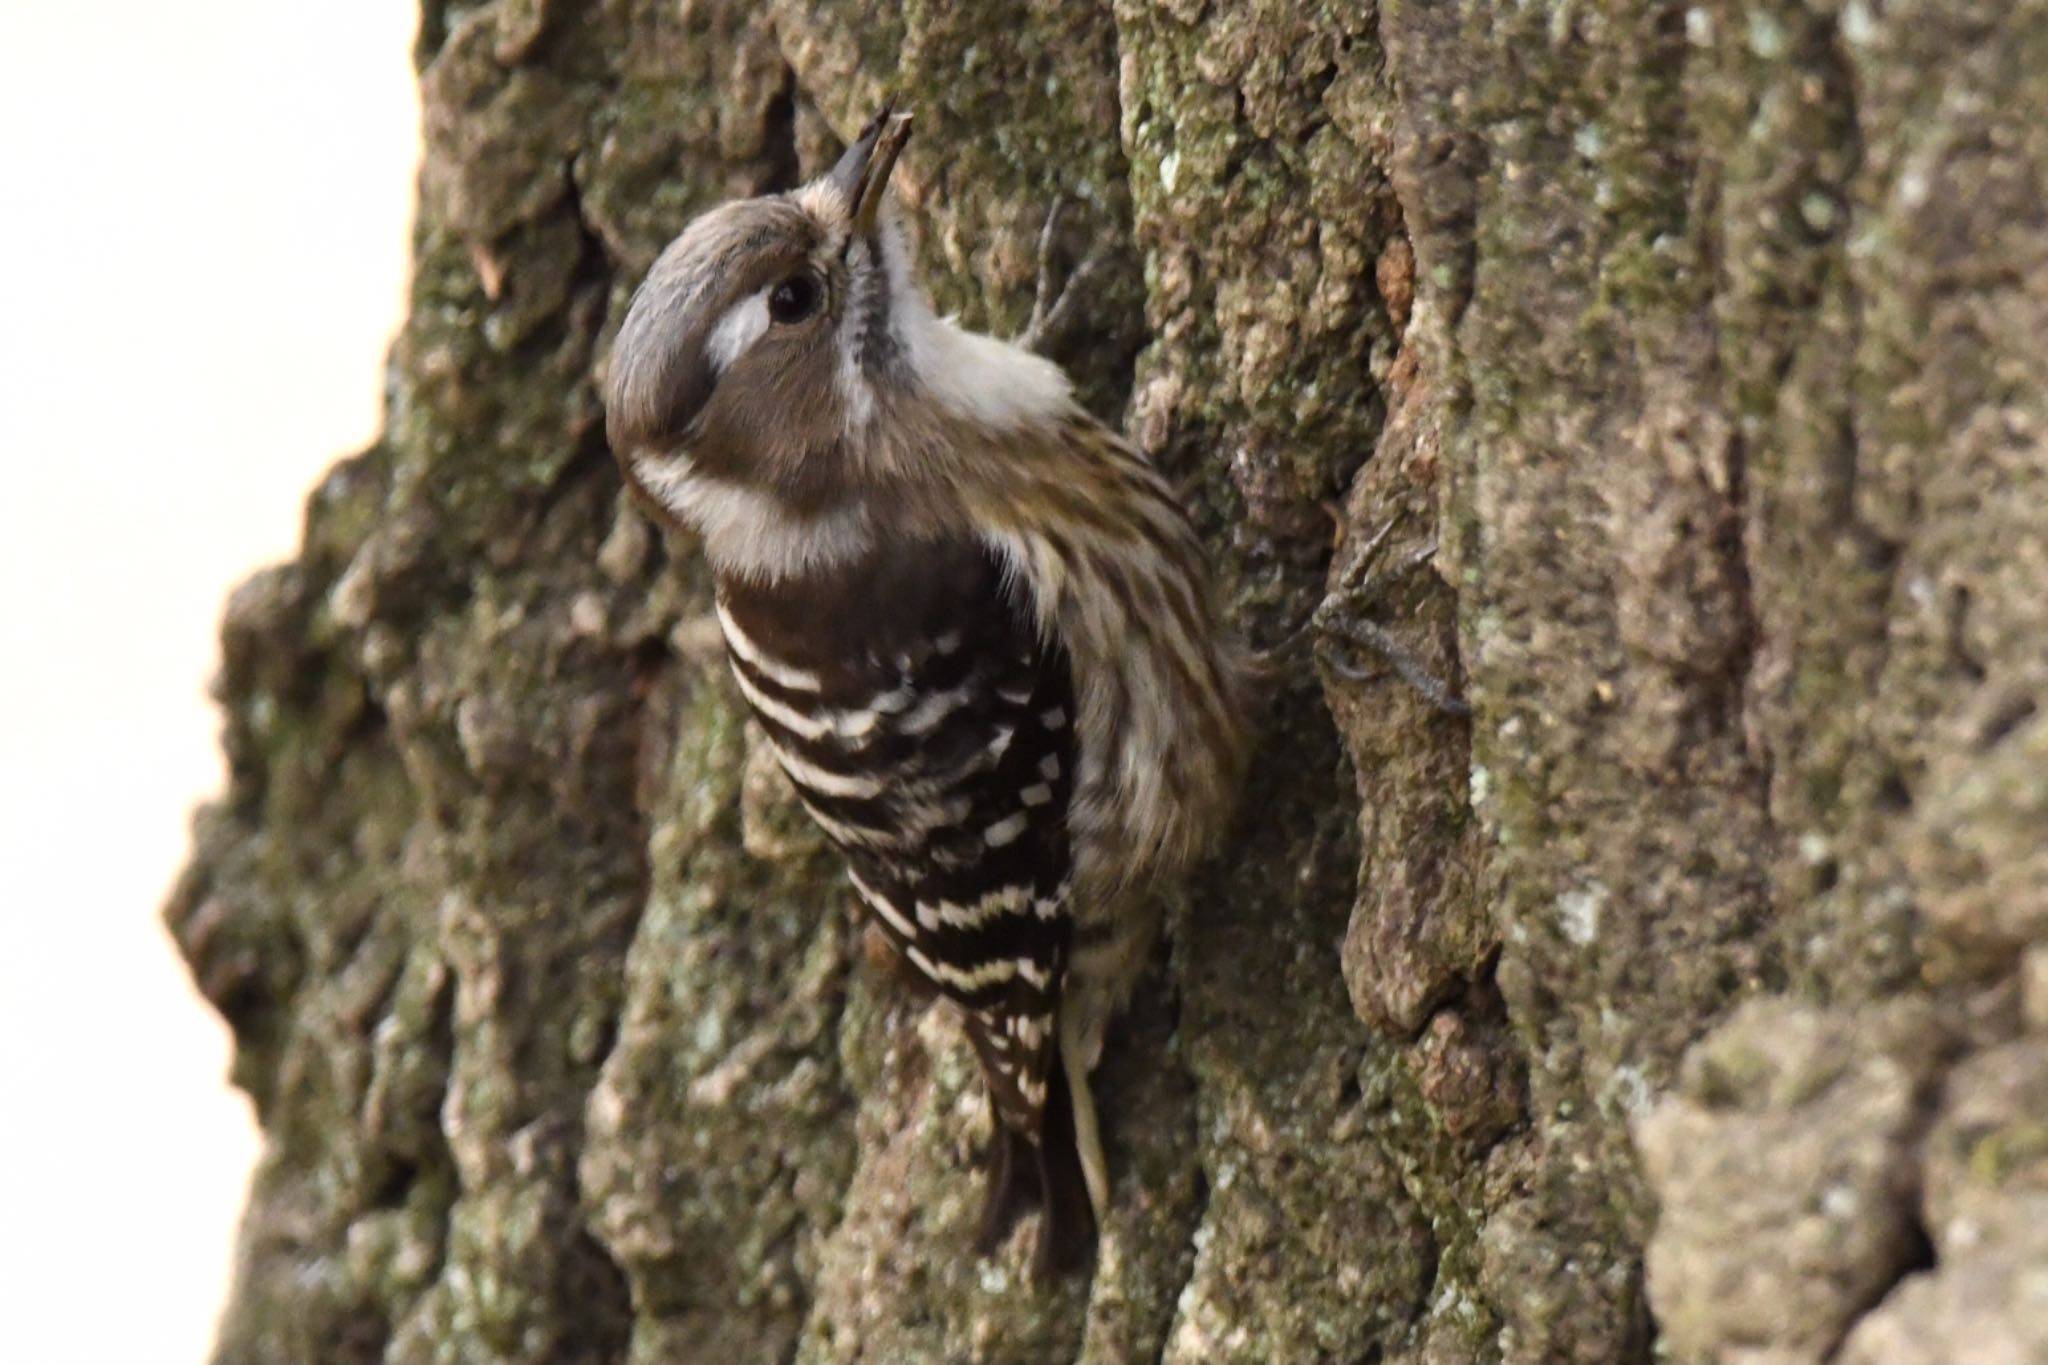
[1691,997]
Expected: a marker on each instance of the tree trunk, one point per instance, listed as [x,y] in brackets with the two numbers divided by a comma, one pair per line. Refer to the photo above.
[1690,995]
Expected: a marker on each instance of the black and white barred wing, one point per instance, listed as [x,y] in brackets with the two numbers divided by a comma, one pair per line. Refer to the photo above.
[929,728]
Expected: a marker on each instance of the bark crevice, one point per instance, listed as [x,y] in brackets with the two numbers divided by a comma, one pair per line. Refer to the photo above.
[1691,355]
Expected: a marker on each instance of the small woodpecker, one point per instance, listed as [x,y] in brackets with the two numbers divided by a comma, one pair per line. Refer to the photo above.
[975,625]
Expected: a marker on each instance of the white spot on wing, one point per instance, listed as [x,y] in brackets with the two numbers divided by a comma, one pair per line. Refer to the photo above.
[852,725]
[881,906]
[890,702]
[788,717]
[1009,900]
[964,978]
[1006,831]
[934,708]
[825,782]
[843,833]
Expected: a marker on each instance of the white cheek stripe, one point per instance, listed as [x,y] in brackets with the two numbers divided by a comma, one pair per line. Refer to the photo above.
[740,328]
[746,532]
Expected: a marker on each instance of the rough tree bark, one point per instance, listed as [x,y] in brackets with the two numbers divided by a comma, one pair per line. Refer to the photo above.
[1691,996]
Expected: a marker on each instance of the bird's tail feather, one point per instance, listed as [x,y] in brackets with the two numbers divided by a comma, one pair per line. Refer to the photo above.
[1042,1170]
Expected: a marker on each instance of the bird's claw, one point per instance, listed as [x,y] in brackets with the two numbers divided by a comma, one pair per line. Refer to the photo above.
[1052,306]
[1340,617]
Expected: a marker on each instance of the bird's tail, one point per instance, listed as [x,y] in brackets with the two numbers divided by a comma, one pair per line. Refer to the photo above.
[1044,1170]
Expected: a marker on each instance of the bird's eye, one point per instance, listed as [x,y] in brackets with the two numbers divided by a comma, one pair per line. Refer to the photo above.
[795,299]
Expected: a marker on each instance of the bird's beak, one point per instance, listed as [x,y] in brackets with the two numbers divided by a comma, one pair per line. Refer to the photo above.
[862,174]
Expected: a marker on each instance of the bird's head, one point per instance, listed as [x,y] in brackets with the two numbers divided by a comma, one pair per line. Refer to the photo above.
[781,386]
[771,332]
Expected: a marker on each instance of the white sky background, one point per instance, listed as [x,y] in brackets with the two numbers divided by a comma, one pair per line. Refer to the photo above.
[203,242]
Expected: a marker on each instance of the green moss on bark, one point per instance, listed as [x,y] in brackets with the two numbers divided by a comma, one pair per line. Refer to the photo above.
[1686,352]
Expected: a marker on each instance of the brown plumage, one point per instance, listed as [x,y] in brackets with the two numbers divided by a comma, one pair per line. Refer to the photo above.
[974,623]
